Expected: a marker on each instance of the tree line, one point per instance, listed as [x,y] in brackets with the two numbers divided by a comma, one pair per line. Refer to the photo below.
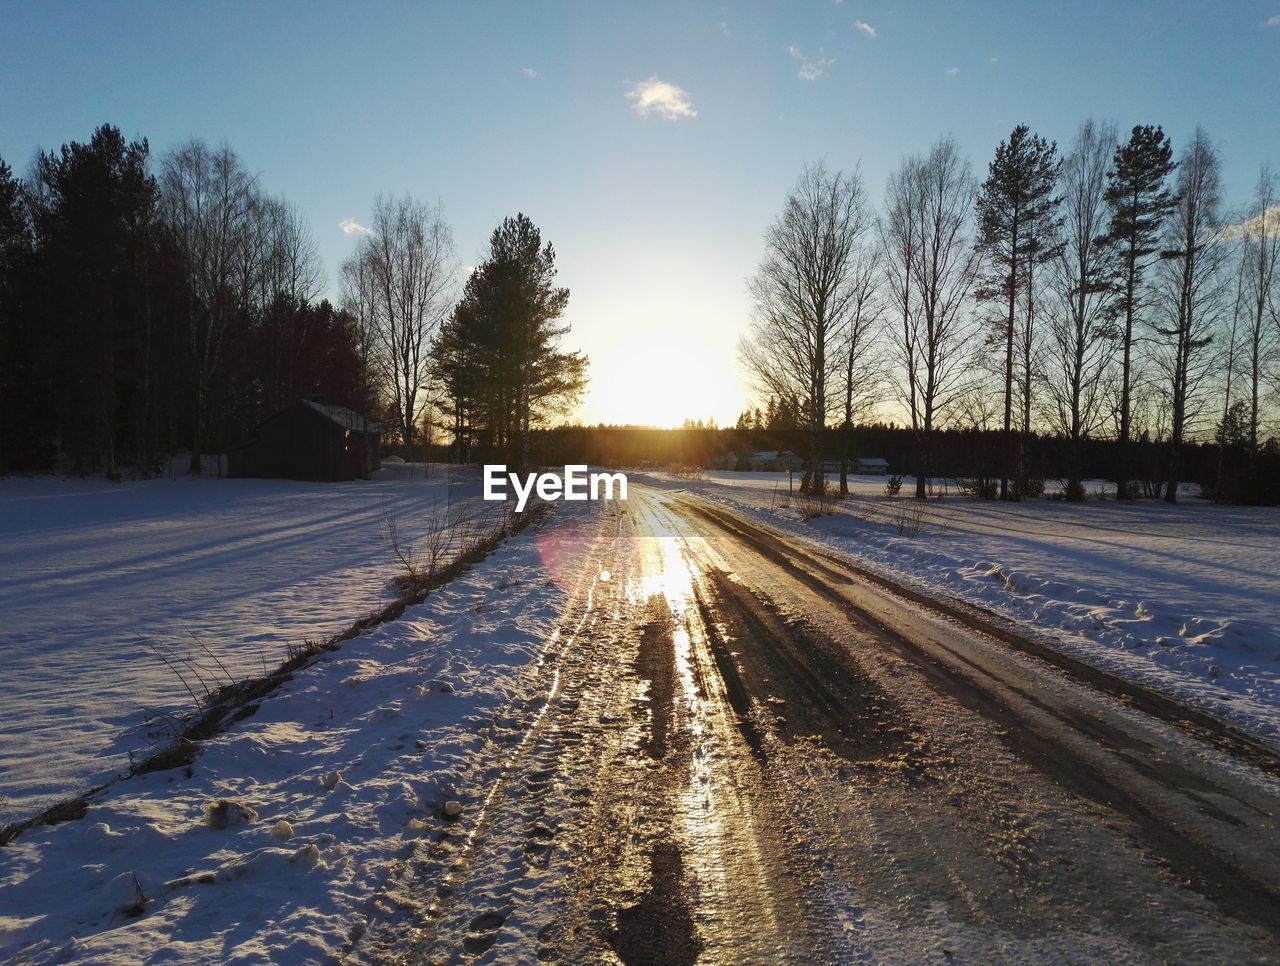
[150,307]
[1103,292]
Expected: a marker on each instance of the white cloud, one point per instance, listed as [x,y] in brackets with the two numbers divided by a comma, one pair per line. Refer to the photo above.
[1272,21]
[656,96]
[352,227]
[810,68]
[953,72]
[1268,222]
[724,29]
[993,60]
[865,27]
[529,72]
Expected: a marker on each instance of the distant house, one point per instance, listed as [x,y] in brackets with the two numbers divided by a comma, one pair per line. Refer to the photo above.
[774,459]
[832,464]
[310,440]
[872,466]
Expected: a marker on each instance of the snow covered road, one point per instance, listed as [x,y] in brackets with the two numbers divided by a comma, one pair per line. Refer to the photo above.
[1185,599]
[675,735]
[749,755]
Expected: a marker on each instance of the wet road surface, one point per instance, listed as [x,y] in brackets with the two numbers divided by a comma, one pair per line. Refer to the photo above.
[739,748]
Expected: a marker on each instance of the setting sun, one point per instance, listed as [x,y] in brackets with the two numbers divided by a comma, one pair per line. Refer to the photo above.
[660,376]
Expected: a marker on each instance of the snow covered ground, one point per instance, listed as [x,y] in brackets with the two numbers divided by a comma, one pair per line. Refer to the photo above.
[1185,598]
[91,570]
[327,787]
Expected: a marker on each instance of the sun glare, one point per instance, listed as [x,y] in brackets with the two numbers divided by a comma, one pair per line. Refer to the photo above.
[661,378]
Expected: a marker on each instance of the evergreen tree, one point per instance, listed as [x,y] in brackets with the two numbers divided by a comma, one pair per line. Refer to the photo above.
[1017,231]
[503,340]
[1139,200]
[95,211]
[18,398]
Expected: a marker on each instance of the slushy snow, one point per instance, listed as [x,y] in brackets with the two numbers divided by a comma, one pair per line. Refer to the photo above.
[1185,598]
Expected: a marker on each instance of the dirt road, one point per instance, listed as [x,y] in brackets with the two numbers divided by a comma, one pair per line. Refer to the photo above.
[741,749]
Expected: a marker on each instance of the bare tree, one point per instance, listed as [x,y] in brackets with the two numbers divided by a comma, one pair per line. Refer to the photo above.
[403,274]
[285,274]
[861,362]
[1259,281]
[356,280]
[208,199]
[292,268]
[1192,262]
[805,295]
[1079,350]
[930,267]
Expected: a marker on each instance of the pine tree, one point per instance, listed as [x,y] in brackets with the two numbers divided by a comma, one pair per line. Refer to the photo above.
[1017,231]
[16,385]
[94,218]
[500,351]
[1140,200]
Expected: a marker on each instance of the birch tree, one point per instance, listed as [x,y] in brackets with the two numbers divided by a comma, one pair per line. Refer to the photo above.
[1078,347]
[804,295]
[930,264]
[405,270]
[208,199]
[863,380]
[1192,261]
[1259,281]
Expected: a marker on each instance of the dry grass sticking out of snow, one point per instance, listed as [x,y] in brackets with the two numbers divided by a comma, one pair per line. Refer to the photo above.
[107,591]
[270,845]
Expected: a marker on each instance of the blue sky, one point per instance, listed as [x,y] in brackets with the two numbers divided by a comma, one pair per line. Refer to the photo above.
[657,220]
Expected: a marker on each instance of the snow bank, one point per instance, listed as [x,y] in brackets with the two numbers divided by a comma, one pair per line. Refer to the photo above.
[274,847]
[1184,598]
[91,570]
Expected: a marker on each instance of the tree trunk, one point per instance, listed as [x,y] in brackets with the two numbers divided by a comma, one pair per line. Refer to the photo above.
[844,460]
[1123,488]
[1009,457]
[922,474]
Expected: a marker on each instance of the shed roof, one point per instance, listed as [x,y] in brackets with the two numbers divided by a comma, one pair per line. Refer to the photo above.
[344,417]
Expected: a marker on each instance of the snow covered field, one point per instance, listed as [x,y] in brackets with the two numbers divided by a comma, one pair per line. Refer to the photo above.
[328,787]
[90,570]
[1185,598]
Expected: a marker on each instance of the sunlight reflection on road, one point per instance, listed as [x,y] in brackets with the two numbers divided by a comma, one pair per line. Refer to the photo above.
[732,895]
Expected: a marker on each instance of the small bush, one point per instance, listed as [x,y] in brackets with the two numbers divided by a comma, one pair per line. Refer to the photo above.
[1074,492]
[909,517]
[980,487]
[1032,488]
[893,485]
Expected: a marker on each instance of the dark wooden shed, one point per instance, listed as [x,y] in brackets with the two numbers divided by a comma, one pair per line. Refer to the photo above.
[310,440]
